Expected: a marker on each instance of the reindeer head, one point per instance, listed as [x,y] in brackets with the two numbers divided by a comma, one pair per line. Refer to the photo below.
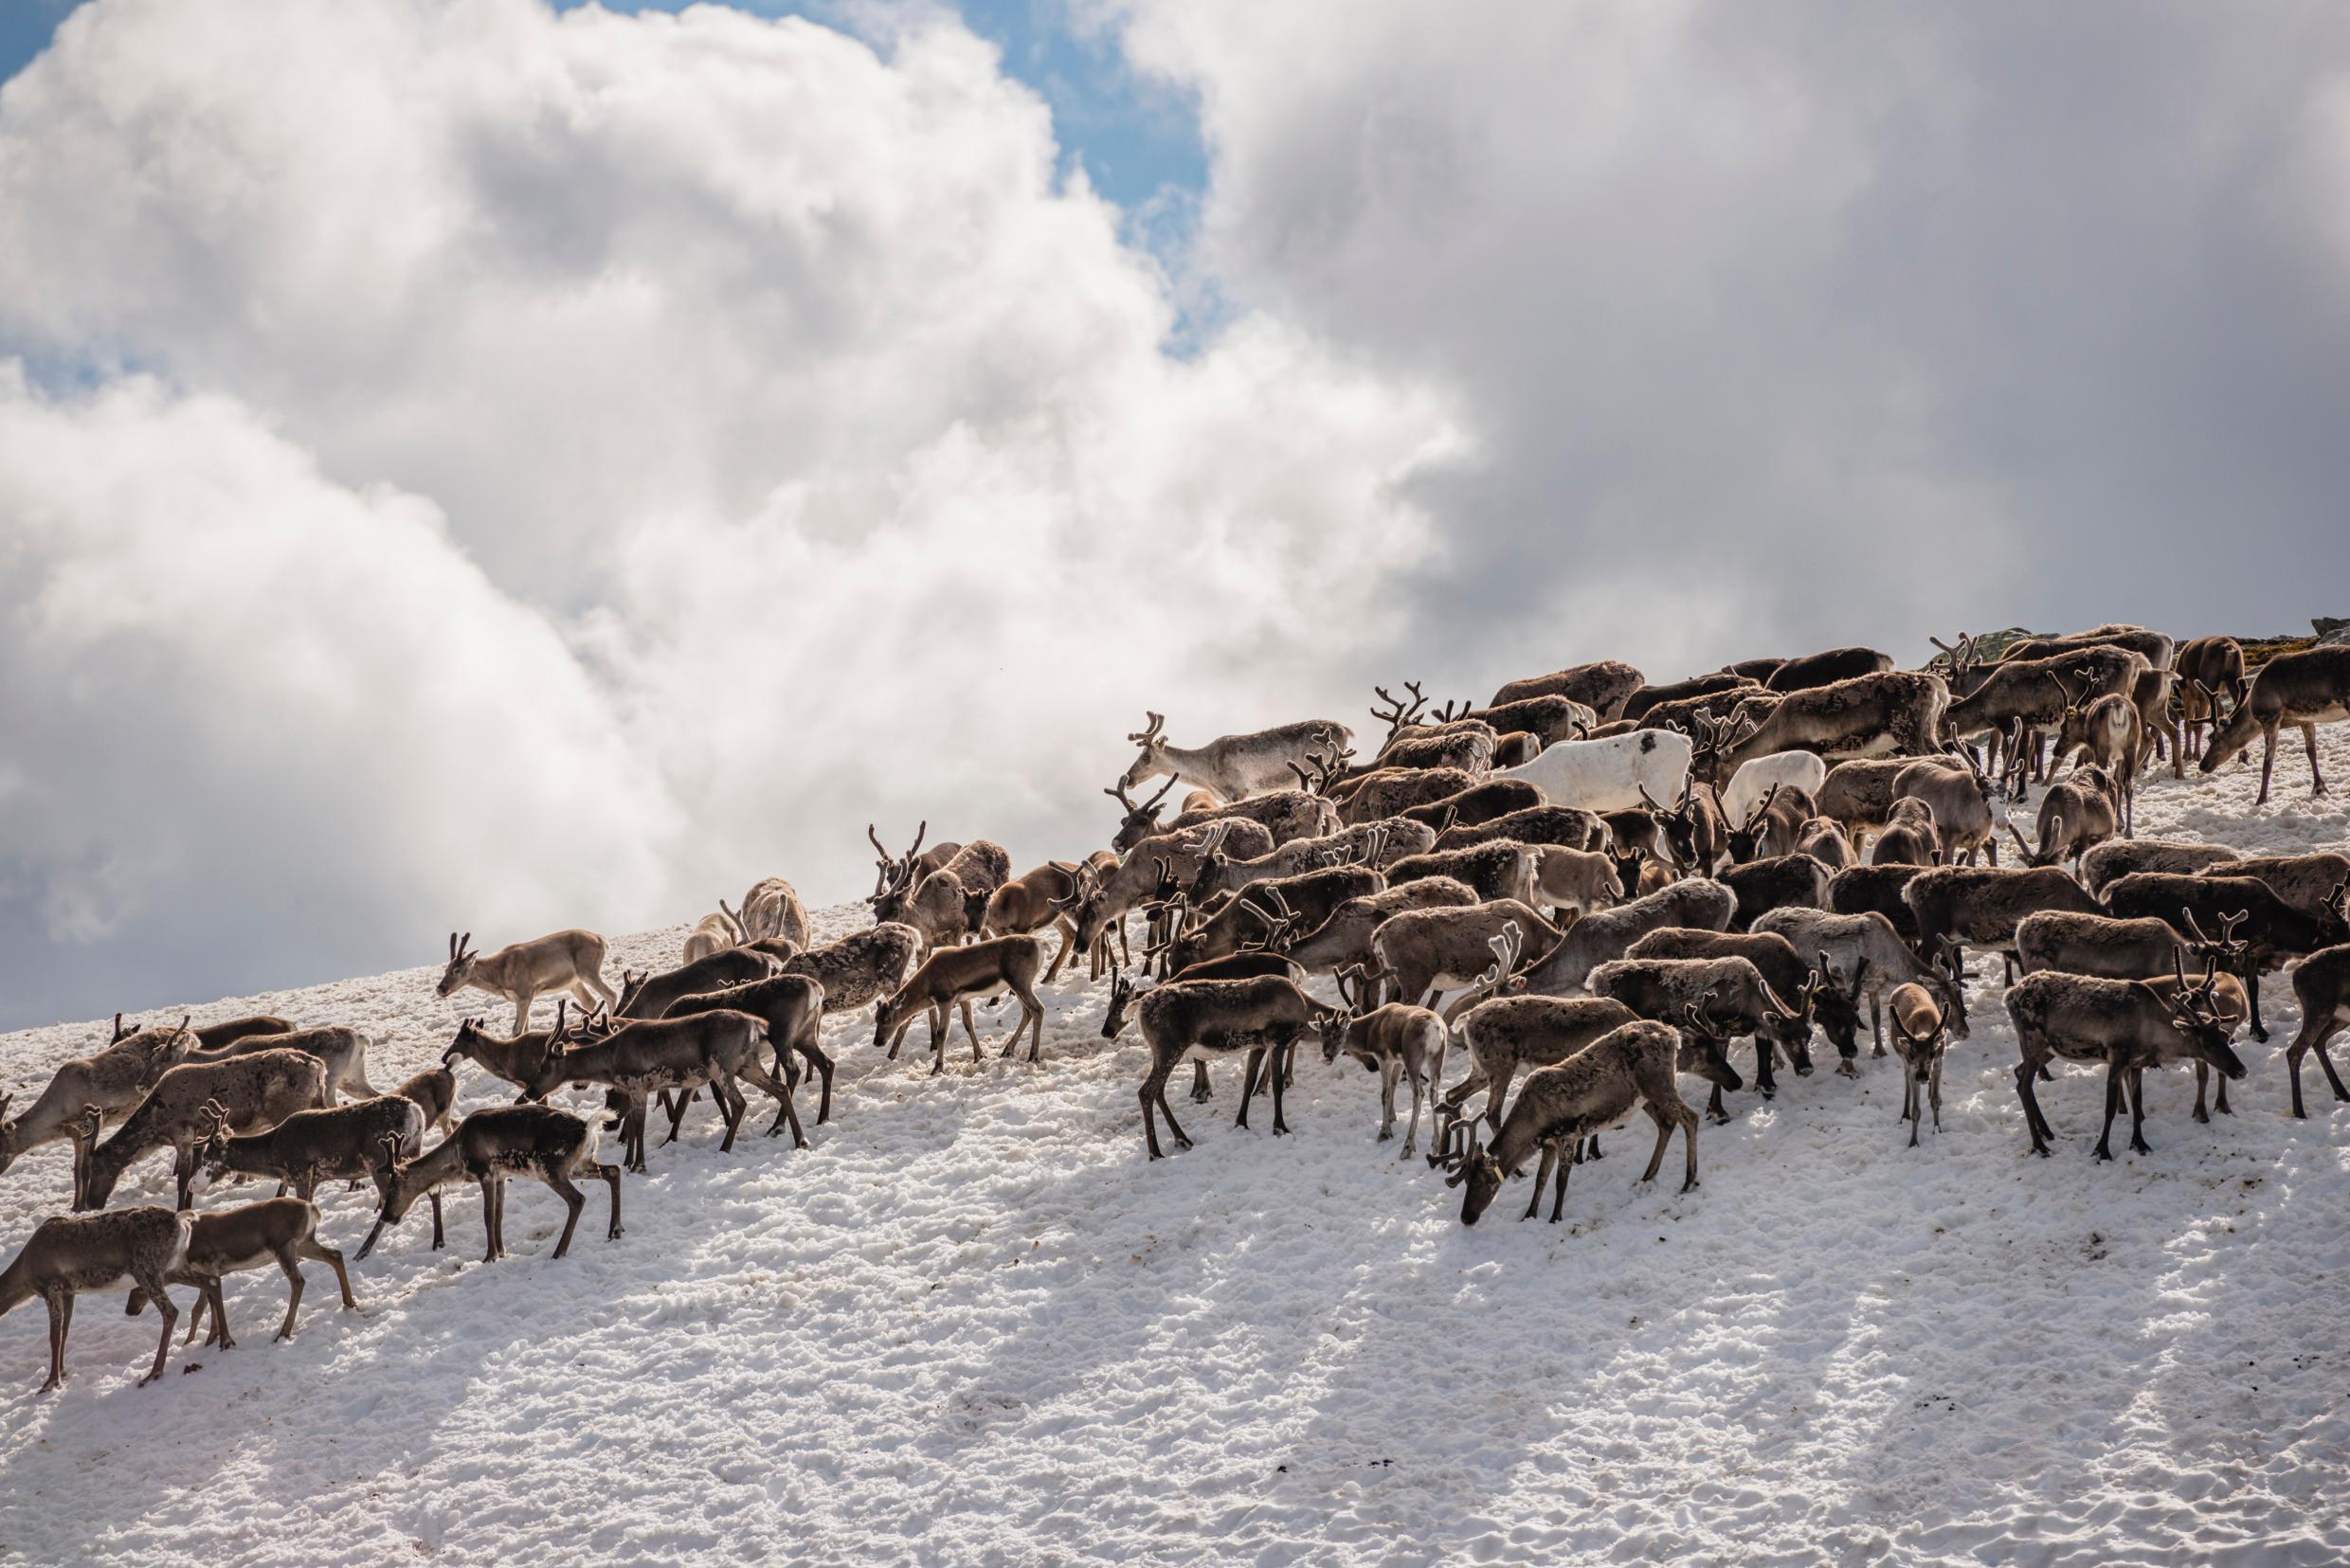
[1745,839]
[1964,670]
[894,875]
[463,962]
[1836,1008]
[211,1145]
[467,1042]
[1121,993]
[1141,820]
[1398,714]
[1152,758]
[1481,1173]
[2196,1012]
[1704,1038]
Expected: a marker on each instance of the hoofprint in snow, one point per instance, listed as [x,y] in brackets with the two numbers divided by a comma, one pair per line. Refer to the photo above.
[972,1324]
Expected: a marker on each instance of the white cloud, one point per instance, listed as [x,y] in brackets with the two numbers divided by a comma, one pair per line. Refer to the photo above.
[575,465]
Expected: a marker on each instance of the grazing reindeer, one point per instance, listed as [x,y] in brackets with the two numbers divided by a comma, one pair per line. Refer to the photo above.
[114,1081]
[1567,826]
[1616,773]
[2322,985]
[1424,953]
[2127,1024]
[358,1141]
[516,1058]
[1601,685]
[1630,1068]
[1235,765]
[1864,948]
[217,1037]
[954,976]
[564,961]
[1639,704]
[1548,719]
[1286,902]
[714,933]
[2207,666]
[195,1099]
[859,968]
[1898,711]
[341,1052]
[1825,668]
[1155,869]
[275,1230]
[1909,837]
[491,1146]
[2273,929]
[1785,972]
[434,1092]
[1265,1017]
[2076,814]
[72,1254]
[896,875]
[1752,786]
[2311,883]
[699,1049]
[1697,902]
[1505,1033]
[1919,1037]
[772,913]
[1395,1041]
[2116,859]
[1665,989]
[2110,734]
[1954,906]
[1048,895]
[792,1007]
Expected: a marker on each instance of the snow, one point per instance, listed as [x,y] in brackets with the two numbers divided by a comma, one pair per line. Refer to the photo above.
[972,1325]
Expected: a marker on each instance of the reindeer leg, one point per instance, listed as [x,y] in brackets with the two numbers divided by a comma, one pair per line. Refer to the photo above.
[939,1028]
[1279,1067]
[2033,1121]
[1542,1178]
[1158,1087]
[2309,740]
[2267,762]
[1248,1084]
[2138,1110]
[60,1303]
[1764,1084]
[1388,1071]
[573,1199]
[2252,993]
[522,1009]
[2202,1083]
[731,1106]
[1199,1081]
[611,1178]
[154,1284]
[318,1252]
[489,1216]
[294,1283]
[2115,1076]
[1934,1090]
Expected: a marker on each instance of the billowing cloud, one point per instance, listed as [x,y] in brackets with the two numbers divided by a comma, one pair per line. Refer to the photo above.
[483,467]
[1841,325]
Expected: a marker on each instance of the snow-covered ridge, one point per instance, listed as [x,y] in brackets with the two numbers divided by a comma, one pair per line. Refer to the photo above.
[971,1324]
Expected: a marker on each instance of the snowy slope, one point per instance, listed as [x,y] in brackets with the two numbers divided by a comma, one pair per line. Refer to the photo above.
[972,1325]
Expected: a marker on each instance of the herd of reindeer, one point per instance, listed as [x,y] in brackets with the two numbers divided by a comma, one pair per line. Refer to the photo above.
[1592,880]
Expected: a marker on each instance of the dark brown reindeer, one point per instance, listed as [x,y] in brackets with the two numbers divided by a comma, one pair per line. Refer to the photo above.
[2307,689]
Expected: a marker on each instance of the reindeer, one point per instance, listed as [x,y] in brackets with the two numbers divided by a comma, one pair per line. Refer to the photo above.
[1048,895]
[275,1230]
[1641,703]
[772,913]
[1603,687]
[1909,837]
[217,1037]
[1770,828]
[1612,774]
[1567,826]
[1859,793]
[1344,938]
[1499,868]
[1875,890]
[1825,668]
[644,996]
[2273,929]
[2120,949]
[1548,719]
[1280,814]
[792,1008]
[2207,666]
[516,1058]
[1697,902]
[1156,869]
[342,1051]
[1505,1033]
[2076,814]
[1423,954]
[1898,711]
[1785,972]
[1873,958]
[2128,1025]
[714,933]
[1394,791]
[2027,697]
[1264,1017]
[1396,1041]
[1142,818]
[1630,1068]
[948,904]
[434,1092]
[2110,734]
[2311,883]
[896,875]
[2321,984]
[1692,833]
[564,961]
[1664,989]
[2116,859]
[1919,1037]
[113,1081]
[71,1253]
[2154,648]
[859,968]
[1235,766]
[709,1048]
[1300,902]
[358,1141]
[1778,882]
[1982,904]
[196,1099]
[954,976]
[491,1146]
[1755,783]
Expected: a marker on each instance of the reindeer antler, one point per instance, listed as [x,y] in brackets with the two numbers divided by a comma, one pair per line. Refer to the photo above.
[1145,737]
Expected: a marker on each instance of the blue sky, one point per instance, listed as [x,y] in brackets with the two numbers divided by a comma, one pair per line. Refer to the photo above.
[1135,138]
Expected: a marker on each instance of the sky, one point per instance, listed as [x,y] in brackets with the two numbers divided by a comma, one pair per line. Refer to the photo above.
[470,465]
